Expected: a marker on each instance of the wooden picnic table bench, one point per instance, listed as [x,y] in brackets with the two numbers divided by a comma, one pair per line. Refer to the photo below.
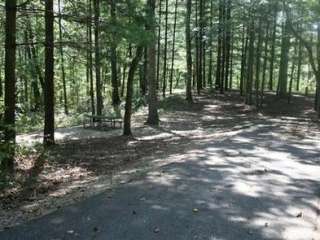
[98,121]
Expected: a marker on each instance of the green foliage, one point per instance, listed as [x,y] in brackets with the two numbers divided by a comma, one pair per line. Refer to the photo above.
[29,122]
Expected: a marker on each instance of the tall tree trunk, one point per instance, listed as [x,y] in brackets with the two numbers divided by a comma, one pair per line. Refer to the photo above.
[245,42]
[228,42]
[299,66]
[265,62]
[128,107]
[63,75]
[159,43]
[153,117]
[143,73]
[173,44]
[189,52]
[258,62]
[124,72]
[284,61]
[49,75]
[35,65]
[265,57]
[1,81]
[223,47]
[210,81]
[97,56]
[220,46]
[90,58]
[200,47]
[317,72]
[34,83]
[10,82]
[273,46]
[165,57]
[231,64]
[204,45]
[293,65]
[197,48]
[249,74]
[114,71]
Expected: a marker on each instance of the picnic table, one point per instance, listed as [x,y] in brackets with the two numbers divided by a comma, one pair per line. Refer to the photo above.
[102,122]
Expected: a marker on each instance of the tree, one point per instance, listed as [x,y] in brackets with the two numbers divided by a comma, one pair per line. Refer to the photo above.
[114,71]
[173,44]
[210,72]
[63,75]
[273,45]
[128,107]
[49,75]
[258,61]
[97,56]
[250,67]
[220,67]
[10,82]
[284,61]
[200,46]
[90,58]
[153,117]
[189,52]
[228,42]
[165,58]
[159,43]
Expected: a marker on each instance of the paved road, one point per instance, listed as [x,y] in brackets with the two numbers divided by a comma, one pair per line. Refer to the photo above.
[261,183]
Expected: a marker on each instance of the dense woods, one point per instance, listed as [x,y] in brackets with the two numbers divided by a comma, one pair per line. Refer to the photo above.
[160,119]
[64,58]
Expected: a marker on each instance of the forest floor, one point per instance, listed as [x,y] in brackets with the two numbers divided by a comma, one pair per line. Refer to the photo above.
[214,170]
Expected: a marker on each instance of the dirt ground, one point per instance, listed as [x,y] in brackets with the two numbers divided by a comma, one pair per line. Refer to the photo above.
[87,162]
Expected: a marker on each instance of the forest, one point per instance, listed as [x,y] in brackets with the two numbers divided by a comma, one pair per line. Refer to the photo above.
[200,109]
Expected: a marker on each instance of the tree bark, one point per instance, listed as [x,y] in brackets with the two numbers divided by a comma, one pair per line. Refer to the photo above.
[299,66]
[114,72]
[284,61]
[165,58]
[97,56]
[228,43]
[63,75]
[153,117]
[159,43]
[173,44]
[189,52]
[200,48]
[249,74]
[128,107]
[258,62]
[273,47]
[245,42]
[220,46]
[10,83]
[210,80]
[49,75]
